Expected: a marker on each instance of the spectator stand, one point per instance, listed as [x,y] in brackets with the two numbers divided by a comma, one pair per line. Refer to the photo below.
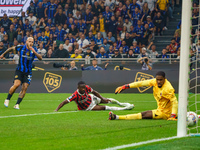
[66,26]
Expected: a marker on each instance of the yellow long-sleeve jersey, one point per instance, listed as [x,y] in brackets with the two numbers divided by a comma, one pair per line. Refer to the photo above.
[165,96]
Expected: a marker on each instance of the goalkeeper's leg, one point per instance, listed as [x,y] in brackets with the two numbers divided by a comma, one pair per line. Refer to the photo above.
[143,115]
[130,117]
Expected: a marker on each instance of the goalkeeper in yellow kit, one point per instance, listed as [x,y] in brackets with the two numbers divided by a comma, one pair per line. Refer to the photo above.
[163,93]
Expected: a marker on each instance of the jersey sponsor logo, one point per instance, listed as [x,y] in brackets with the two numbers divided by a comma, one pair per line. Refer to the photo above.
[140,76]
[29,58]
[52,81]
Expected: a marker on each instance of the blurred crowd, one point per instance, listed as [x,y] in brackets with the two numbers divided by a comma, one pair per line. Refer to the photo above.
[92,28]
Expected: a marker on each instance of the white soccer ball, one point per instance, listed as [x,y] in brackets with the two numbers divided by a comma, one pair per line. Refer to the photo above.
[191,118]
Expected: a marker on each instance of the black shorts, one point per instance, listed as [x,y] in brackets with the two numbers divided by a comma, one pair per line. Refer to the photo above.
[23,77]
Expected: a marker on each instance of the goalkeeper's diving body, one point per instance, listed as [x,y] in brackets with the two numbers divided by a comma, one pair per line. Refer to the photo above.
[164,95]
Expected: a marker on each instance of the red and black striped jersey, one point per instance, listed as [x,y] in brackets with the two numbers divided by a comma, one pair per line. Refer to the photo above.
[83,101]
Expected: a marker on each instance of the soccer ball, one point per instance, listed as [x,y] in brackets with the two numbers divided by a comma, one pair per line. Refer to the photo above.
[191,118]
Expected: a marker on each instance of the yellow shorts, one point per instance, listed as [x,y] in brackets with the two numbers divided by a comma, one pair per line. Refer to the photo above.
[159,114]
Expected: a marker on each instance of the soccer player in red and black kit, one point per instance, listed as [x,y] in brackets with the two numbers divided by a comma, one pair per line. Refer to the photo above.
[23,73]
[88,102]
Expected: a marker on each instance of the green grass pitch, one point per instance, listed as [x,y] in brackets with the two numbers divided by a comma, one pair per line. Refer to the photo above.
[45,129]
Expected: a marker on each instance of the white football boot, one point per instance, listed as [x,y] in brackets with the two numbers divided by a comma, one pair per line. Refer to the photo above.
[16,106]
[6,103]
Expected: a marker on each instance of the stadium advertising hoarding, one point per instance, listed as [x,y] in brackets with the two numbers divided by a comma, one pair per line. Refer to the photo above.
[13,7]
[52,81]
[104,81]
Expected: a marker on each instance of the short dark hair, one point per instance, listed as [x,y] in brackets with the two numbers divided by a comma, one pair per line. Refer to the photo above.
[160,73]
[81,82]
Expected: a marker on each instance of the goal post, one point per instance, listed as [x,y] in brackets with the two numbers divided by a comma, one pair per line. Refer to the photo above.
[184,67]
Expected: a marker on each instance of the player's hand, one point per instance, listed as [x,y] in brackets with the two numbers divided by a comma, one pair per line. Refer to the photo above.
[32,49]
[172,117]
[106,100]
[121,88]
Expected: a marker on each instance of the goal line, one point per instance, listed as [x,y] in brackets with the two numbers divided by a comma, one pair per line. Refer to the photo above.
[143,143]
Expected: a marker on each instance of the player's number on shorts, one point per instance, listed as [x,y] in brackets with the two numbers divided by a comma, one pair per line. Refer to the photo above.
[52,81]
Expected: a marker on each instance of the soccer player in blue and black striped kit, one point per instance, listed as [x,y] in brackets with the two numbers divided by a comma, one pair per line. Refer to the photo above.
[23,73]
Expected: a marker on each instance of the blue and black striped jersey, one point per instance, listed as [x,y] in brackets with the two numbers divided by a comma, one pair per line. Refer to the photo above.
[26,58]
[51,10]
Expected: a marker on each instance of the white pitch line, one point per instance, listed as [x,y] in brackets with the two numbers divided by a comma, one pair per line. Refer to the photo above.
[43,100]
[142,101]
[141,143]
[126,101]
[36,114]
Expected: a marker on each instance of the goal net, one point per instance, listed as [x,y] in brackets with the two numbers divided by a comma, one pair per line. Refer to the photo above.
[189,71]
[194,70]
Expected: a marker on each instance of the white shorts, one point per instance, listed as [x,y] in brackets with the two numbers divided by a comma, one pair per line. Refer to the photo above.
[95,101]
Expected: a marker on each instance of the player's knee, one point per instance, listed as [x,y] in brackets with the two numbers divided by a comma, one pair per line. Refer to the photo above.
[147,115]
[16,85]
[144,115]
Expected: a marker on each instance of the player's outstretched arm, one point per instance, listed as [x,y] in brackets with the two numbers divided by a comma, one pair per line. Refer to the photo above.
[122,88]
[8,50]
[134,85]
[62,104]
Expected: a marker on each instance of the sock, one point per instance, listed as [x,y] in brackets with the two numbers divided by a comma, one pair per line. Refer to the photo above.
[130,117]
[117,117]
[19,100]
[9,96]
[124,104]
[114,108]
